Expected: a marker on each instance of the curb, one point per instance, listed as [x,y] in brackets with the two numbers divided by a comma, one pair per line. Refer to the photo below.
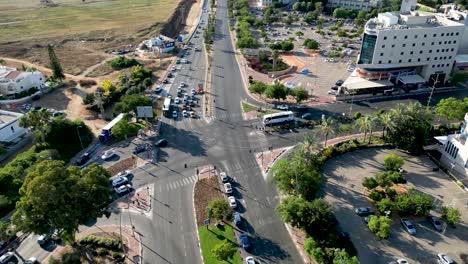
[195,217]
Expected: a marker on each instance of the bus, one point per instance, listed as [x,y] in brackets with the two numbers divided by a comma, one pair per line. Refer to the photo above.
[106,132]
[276,118]
[167,107]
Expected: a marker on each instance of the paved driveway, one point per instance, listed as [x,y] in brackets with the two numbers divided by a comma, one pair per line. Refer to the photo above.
[345,192]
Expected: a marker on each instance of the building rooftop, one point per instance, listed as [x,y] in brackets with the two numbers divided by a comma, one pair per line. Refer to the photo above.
[6,117]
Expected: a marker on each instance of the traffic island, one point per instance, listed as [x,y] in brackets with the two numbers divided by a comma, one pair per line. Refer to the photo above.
[211,234]
[102,244]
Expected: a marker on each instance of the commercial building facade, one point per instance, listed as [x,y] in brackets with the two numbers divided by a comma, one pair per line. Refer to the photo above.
[365,5]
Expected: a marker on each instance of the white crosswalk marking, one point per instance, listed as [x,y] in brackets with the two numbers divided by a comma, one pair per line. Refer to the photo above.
[186,181]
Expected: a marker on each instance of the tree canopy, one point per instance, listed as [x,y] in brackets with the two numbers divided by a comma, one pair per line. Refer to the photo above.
[60,197]
[311,44]
[300,94]
[218,209]
[380,226]
[277,91]
[393,162]
[452,108]
[224,251]
[130,102]
[258,87]
[122,62]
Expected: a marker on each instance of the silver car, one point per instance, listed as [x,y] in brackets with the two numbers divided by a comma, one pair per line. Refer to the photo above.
[408,226]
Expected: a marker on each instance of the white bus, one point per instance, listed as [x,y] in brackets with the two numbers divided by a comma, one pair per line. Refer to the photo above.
[167,107]
[281,117]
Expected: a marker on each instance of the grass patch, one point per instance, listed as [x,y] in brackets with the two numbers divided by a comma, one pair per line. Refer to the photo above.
[246,107]
[212,237]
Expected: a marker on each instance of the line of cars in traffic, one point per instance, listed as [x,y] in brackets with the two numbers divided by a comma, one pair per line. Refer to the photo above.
[244,239]
[410,228]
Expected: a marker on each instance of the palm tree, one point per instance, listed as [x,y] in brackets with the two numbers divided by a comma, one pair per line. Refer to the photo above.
[326,128]
[363,124]
[275,57]
[372,122]
[309,143]
[386,119]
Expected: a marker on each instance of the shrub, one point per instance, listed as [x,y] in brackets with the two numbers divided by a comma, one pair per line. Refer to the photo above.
[396,177]
[100,242]
[380,226]
[377,195]
[451,215]
[393,162]
[122,62]
[369,183]
[102,252]
[357,115]
[391,193]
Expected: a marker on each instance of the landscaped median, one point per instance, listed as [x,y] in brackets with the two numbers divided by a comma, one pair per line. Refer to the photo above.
[218,236]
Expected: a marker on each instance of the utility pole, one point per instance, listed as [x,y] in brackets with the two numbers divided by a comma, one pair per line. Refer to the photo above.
[79,137]
[432,91]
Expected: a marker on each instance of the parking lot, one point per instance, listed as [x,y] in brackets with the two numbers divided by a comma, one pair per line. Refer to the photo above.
[344,192]
[323,74]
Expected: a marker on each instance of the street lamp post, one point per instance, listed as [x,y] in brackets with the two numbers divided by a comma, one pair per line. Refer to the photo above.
[79,137]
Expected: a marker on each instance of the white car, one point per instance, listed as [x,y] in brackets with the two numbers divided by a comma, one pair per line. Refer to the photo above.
[249,260]
[282,107]
[185,113]
[108,154]
[173,68]
[119,181]
[182,84]
[124,189]
[232,202]
[177,100]
[227,187]
[192,114]
[194,92]
[332,92]
[31,260]
[174,114]
[6,257]
[124,173]
[444,259]
[224,177]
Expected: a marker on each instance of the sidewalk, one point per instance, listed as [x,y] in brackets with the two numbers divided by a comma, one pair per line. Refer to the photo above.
[138,201]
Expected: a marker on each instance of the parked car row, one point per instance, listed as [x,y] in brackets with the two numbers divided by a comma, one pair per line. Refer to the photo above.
[410,228]
[245,240]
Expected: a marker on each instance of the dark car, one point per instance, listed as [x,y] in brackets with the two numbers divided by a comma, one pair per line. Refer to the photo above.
[435,222]
[363,211]
[139,149]
[245,241]
[237,219]
[165,81]
[83,159]
[339,82]
[161,143]
[169,75]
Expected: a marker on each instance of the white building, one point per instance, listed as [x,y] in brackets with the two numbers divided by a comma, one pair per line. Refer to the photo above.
[410,47]
[454,150]
[365,5]
[13,82]
[9,128]
[159,44]
[267,3]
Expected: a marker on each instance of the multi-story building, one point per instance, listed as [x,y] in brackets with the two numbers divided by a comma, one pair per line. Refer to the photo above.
[13,82]
[411,47]
[365,5]
[454,150]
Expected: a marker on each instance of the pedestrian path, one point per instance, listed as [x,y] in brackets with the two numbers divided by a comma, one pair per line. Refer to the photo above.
[169,186]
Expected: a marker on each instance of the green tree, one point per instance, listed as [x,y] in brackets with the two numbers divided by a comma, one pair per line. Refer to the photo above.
[342,257]
[224,251]
[57,71]
[6,230]
[311,44]
[300,94]
[311,17]
[380,226]
[383,179]
[287,46]
[258,87]
[124,128]
[130,102]
[393,162]
[385,205]
[452,109]
[319,7]
[37,121]
[276,91]
[274,57]
[369,183]
[412,127]
[2,62]
[451,215]
[327,127]
[413,203]
[122,62]
[363,123]
[218,209]
[313,250]
[341,13]
[299,33]
[108,86]
[61,197]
